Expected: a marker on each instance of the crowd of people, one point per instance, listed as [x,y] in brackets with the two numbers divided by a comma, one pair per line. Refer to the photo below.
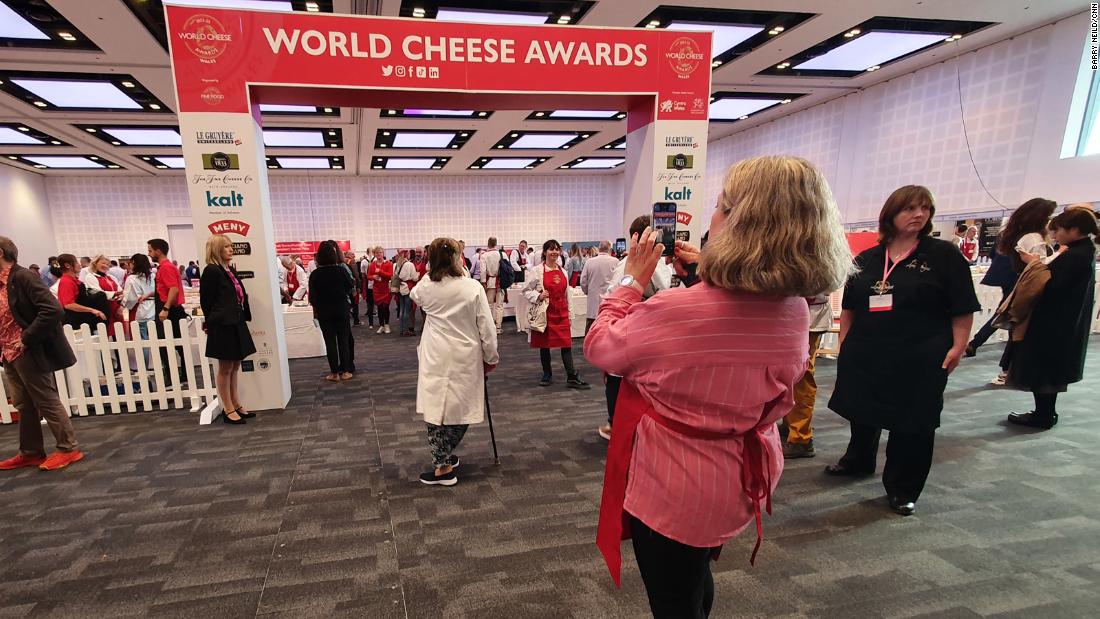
[708,356]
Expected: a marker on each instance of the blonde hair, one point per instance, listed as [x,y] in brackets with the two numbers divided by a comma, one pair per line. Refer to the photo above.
[95,261]
[782,234]
[214,246]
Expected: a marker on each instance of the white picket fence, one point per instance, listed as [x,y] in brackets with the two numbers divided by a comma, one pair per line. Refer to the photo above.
[93,386]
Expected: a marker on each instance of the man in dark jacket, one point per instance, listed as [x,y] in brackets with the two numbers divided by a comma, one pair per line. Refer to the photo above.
[32,348]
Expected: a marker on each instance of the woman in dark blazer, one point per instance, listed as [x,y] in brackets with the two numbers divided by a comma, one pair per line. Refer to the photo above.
[329,286]
[225,309]
[1052,353]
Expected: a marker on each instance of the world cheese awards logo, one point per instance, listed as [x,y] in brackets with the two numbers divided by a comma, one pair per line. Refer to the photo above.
[684,56]
[205,37]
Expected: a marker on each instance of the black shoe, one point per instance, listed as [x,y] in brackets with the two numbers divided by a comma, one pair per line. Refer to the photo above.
[236,422]
[841,470]
[970,351]
[431,479]
[784,430]
[1033,420]
[576,383]
[244,414]
[545,380]
[902,507]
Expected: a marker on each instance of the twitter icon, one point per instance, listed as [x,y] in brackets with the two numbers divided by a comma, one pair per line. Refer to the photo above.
[387,70]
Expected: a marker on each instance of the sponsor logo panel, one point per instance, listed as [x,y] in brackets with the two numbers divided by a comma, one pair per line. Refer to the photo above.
[679,161]
[220,162]
[205,37]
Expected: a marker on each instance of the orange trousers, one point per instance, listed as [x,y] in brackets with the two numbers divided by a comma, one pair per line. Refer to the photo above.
[799,428]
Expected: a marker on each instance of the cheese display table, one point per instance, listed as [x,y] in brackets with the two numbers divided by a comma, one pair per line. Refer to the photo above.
[303,336]
[578,310]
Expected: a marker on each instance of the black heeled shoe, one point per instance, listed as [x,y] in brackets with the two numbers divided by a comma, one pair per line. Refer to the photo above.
[226,419]
[244,414]
[841,470]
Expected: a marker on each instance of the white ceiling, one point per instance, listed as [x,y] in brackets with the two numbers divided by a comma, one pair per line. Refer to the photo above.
[129,48]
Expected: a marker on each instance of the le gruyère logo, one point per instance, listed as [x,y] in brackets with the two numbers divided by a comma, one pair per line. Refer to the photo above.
[205,37]
[684,56]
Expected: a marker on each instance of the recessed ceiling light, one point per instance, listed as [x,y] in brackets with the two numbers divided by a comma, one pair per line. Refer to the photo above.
[540,114]
[464,134]
[337,166]
[583,114]
[63,162]
[733,108]
[312,7]
[483,113]
[154,106]
[726,37]
[116,143]
[491,17]
[331,132]
[144,137]
[544,140]
[130,85]
[173,163]
[585,136]
[564,19]
[162,167]
[410,163]
[113,166]
[78,94]
[778,29]
[273,167]
[785,101]
[598,164]
[300,139]
[93,158]
[653,23]
[270,107]
[67,36]
[376,167]
[268,5]
[10,136]
[507,164]
[24,128]
[90,129]
[328,110]
[55,142]
[873,48]
[405,139]
[303,163]
[13,26]
[715,64]
[12,157]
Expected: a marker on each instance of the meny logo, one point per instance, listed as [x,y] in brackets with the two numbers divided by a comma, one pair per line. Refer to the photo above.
[229,226]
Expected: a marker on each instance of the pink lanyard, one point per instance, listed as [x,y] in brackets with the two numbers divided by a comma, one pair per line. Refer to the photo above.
[887,271]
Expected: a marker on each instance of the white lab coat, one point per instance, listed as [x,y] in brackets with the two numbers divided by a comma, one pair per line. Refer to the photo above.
[459,336]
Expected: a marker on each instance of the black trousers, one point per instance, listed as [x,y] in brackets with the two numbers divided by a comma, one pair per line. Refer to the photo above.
[174,316]
[566,360]
[908,459]
[339,344]
[611,394]
[370,306]
[677,577]
[383,315]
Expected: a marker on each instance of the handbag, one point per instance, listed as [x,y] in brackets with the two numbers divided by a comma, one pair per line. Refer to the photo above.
[536,314]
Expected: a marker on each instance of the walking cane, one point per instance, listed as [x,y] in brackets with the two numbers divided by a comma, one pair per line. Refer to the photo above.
[489,415]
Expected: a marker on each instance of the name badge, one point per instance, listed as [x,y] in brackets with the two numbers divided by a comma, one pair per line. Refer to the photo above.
[881,302]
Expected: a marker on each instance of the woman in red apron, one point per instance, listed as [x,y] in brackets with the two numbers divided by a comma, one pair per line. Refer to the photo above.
[99,279]
[548,282]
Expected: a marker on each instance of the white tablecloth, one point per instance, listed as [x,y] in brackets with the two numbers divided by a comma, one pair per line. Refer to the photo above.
[578,310]
[303,336]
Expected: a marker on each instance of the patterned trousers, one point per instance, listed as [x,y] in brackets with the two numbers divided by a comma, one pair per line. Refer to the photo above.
[442,440]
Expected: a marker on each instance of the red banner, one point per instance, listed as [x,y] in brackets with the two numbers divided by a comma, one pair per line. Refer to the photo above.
[305,247]
[216,52]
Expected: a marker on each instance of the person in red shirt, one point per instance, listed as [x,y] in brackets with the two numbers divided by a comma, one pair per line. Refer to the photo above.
[168,302]
[68,290]
[380,271]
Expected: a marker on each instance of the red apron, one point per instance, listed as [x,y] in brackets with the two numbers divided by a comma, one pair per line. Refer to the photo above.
[292,284]
[110,286]
[557,334]
[614,525]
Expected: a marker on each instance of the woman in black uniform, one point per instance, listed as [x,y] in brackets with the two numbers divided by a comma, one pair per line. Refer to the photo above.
[225,310]
[904,326]
[1052,353]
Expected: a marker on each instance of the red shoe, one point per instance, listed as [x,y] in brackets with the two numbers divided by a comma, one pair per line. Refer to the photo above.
[20,462]
[60,460]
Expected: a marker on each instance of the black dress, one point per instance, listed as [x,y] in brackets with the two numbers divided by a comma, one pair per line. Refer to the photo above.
[1052,353]
[889,372]
[227,334]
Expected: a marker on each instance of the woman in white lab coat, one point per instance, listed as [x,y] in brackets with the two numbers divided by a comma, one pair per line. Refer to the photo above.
[457,348]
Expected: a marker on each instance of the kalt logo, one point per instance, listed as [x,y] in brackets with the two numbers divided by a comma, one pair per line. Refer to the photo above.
[682,218]
[212,96]
[229,226]
[234,199]
[683,195]
[684,57]
[205,37]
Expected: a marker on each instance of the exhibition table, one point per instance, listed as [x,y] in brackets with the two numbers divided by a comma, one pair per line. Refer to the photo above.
[303,336]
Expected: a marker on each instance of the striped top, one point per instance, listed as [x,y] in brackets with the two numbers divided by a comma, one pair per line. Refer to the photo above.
[712,359]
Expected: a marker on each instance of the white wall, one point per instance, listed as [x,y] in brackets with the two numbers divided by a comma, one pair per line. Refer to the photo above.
[909,130]
[117,215]
[25,215]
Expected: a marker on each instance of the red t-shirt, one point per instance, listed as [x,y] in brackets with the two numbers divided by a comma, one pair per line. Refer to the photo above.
[67,289]
[168,276]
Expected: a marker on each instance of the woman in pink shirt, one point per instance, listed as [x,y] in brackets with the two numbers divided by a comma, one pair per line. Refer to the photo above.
[707,371]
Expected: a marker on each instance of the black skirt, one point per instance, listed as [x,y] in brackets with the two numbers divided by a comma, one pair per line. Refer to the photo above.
[229,342]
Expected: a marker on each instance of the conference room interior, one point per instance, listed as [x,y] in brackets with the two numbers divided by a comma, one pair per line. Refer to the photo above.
[314,509]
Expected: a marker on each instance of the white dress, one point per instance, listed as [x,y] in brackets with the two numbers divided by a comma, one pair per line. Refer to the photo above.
[459,336]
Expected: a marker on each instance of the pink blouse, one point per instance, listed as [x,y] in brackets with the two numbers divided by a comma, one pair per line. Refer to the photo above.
[712,359]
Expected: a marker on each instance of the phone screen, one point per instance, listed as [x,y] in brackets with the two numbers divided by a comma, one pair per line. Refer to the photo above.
[620,246]
[664,220]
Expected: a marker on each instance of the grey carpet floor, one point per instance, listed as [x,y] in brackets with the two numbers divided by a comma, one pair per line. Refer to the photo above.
[315,511]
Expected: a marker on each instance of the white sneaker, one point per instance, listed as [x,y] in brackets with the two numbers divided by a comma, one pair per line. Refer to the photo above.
[388,329]
[1000,379]
[381,329]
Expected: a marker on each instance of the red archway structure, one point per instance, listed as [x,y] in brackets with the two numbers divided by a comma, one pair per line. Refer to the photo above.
[226,62]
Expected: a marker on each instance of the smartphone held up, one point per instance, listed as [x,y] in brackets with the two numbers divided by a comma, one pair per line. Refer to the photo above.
[664,223]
